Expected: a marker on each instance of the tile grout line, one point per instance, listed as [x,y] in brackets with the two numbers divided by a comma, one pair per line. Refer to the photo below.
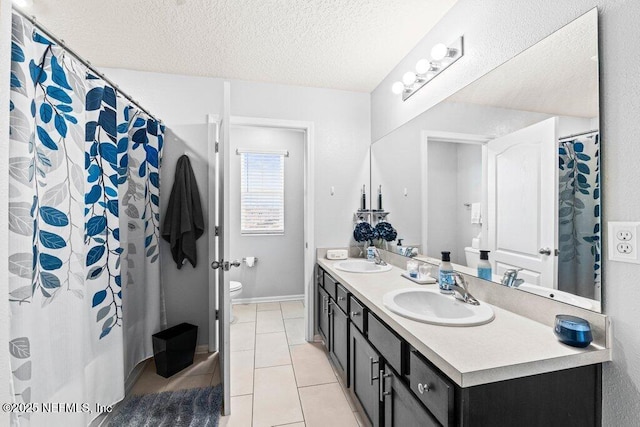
[295,377]
[253,388]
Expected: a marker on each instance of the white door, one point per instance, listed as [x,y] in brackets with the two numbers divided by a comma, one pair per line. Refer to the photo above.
[522,202]
[220,263]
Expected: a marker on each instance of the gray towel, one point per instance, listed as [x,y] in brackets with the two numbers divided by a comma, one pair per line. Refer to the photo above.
[183,221]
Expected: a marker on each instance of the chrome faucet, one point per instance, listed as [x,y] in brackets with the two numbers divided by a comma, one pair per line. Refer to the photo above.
[510,278]
[460,290]
[377,258]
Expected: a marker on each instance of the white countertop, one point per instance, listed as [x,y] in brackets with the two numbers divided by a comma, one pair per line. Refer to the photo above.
[510,346]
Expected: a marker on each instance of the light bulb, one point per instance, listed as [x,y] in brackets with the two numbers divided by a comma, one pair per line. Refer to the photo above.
[397,88]
[439,51]
[23,3]
[409,78]
[423,66]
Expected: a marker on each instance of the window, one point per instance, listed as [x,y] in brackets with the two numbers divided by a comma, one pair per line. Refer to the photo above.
[261,193]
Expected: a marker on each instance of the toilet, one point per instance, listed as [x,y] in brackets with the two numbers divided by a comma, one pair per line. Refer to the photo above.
[235,289]
[472,256]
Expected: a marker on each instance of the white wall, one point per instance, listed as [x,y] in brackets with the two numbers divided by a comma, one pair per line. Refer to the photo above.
[342,138]
[5,67]
[442,189]
[494,32]
[469,190]
[280,267]
[396,164]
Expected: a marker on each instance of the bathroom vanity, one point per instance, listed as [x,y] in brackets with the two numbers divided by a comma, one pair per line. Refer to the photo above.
[511,371]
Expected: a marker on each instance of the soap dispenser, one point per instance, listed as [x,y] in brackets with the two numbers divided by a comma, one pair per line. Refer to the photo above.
[445,273]
[371,252]
[484,266]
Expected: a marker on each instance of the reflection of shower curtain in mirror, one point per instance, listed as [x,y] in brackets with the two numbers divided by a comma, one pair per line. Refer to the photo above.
[579,260]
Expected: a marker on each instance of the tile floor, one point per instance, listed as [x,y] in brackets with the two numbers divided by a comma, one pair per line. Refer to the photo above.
[277,379]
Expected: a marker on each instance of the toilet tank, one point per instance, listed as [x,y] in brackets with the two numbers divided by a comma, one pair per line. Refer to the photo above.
[472,256]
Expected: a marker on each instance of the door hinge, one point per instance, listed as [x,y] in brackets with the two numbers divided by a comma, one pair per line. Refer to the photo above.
[216,230]
[217,314]
[217,147]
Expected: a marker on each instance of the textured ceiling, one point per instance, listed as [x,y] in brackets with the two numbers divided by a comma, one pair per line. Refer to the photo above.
[556,76]
[341,44]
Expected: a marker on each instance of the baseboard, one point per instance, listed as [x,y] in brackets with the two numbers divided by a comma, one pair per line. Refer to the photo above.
[268,299]
[204,348]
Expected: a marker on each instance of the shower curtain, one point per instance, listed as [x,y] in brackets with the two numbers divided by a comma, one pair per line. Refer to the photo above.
[579,216]
[83,215]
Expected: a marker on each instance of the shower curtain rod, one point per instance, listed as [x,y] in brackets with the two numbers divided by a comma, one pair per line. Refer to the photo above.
[84,62]
[578,134]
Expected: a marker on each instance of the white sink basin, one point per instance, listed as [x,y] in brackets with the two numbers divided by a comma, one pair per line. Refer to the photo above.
[361,266]
[430,306]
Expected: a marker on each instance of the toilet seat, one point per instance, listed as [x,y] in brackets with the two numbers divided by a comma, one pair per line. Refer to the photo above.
[234,286]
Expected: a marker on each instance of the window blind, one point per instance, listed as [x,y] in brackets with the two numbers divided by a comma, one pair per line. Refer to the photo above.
[261,193]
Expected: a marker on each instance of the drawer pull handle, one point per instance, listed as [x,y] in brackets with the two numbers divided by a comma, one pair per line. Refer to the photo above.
[381,393]
[355,313]
[371,377]
[341,298]
[424,387]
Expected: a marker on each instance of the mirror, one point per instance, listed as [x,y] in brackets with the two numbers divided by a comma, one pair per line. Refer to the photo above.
[508,164]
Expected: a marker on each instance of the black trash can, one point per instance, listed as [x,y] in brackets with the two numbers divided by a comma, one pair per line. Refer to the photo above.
[174,348]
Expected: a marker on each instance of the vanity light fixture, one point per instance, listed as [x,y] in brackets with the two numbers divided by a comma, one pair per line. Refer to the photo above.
[442,56]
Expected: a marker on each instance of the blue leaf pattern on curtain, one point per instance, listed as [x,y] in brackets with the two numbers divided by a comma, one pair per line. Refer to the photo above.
[69,166]
[102,164]
[579,266]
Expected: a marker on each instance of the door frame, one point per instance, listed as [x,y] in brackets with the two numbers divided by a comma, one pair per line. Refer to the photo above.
[213,138]
[427,136]
[309,201]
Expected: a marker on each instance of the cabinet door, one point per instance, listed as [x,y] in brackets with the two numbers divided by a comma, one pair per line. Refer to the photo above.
[339,338]
[363,374]
[401,408]
[323,316]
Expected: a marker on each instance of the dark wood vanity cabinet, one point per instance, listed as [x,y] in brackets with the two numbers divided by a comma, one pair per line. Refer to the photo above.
[364,376]
[339,339]
[396,386]
[322,311]
[332,321]
[401,408]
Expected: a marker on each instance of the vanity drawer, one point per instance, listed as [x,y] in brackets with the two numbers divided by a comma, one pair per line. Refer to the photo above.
[342,298]
[320,276]
[356,313]
[330,285]
[389,345]
[431,388]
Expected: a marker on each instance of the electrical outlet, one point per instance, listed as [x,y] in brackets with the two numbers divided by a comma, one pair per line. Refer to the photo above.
[623,241]
[624,235]
[624,248]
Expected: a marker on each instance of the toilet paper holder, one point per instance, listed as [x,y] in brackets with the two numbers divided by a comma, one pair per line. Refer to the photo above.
[255,260]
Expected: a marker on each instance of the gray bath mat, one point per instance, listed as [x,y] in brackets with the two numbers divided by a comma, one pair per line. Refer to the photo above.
[196,407]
